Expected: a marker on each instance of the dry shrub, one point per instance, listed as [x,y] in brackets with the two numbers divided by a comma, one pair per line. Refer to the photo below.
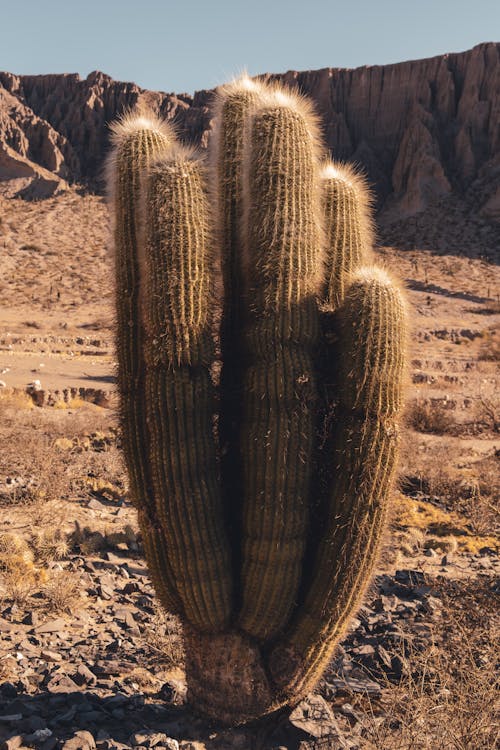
[14,552]
[448,695]
[432,418]
[163,635]
[490,347]
[62,593]
[143,679]
[488,412]
[49,544]
[19,577]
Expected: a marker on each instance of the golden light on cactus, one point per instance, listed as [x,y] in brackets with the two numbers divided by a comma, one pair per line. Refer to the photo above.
[283,249]
[137,139]
[265,587]
[232,104]
[176,276]
[372,340]
[348,226]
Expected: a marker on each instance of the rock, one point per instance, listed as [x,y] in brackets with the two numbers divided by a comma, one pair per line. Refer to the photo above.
[410,577]
[57,123]
[50,655]
[314,716]
[348,685]
[51,626]
[36,723]
[8,690]
[37,738]
[150,738]
[61,683]
[84,676]
[12,743]
[81,740]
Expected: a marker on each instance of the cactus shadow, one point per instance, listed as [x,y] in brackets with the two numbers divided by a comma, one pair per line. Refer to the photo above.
[117,717]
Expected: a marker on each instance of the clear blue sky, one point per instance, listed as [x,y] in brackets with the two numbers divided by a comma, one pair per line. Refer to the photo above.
[195,44]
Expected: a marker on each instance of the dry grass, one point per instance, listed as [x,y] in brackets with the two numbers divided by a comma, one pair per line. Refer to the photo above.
[62,593]
[431,418]
[19,577]
[441,529]
[163,635]
[490,348]
[447,474]
[448,695]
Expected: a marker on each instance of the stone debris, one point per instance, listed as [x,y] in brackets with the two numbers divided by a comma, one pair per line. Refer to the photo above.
[90,681]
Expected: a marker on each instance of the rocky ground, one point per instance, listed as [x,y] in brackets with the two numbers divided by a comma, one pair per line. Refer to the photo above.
[86,657]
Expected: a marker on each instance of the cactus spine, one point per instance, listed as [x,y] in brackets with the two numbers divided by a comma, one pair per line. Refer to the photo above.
[176,276]
[277,434]
[232,104]
[348,227]
[231,528]
[137,140]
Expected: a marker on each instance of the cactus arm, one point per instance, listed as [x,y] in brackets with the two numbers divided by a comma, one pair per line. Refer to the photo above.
[348,227]
[137,139]
[372,338]
[282,253]
[231,107]
[176,294]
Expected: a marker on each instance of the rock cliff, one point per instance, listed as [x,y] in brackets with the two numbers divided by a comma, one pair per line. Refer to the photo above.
[427,132]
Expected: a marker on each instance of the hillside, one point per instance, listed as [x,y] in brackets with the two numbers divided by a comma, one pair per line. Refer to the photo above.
[427,133]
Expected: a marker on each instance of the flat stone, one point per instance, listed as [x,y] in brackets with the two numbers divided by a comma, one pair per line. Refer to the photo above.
[81,740]
[52,626]
[84,676]
[12,743]
[314,716]
[50,655]
[356,685]
[65,717]
[36,723]
[61,683]
[410,577]
[150,738]
[9,627]
[94,504]
[50,743]
[37,738]
[8,690]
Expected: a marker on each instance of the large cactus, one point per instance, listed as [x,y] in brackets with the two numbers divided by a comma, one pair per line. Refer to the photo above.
[261,527]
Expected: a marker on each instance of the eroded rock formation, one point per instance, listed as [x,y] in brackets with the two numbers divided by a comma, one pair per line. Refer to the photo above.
[427,132]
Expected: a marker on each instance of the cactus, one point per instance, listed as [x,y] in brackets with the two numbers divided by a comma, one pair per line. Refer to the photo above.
[264,563]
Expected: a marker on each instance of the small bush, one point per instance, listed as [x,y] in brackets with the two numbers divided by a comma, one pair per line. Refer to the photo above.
[490,348]
[431,418]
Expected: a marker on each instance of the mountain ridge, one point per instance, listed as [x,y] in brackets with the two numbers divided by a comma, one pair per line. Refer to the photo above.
[427,133]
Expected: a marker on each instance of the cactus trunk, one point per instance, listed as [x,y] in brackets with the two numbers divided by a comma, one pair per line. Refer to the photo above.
[176,282]
[282,254]
[261,524]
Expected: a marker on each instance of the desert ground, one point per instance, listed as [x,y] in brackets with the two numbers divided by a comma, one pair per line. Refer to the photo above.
[88,659]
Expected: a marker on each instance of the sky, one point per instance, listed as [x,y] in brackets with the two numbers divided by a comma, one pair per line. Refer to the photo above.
[186,46]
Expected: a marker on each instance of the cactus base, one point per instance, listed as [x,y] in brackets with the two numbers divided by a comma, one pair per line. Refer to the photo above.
[227,678]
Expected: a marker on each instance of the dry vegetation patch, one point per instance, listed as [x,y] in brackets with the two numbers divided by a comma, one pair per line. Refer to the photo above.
[448,694]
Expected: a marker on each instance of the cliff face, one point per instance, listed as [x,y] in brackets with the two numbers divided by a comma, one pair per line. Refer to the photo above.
[427,132]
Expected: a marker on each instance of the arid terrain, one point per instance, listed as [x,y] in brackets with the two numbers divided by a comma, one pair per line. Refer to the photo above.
[86,656]
[88,661]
